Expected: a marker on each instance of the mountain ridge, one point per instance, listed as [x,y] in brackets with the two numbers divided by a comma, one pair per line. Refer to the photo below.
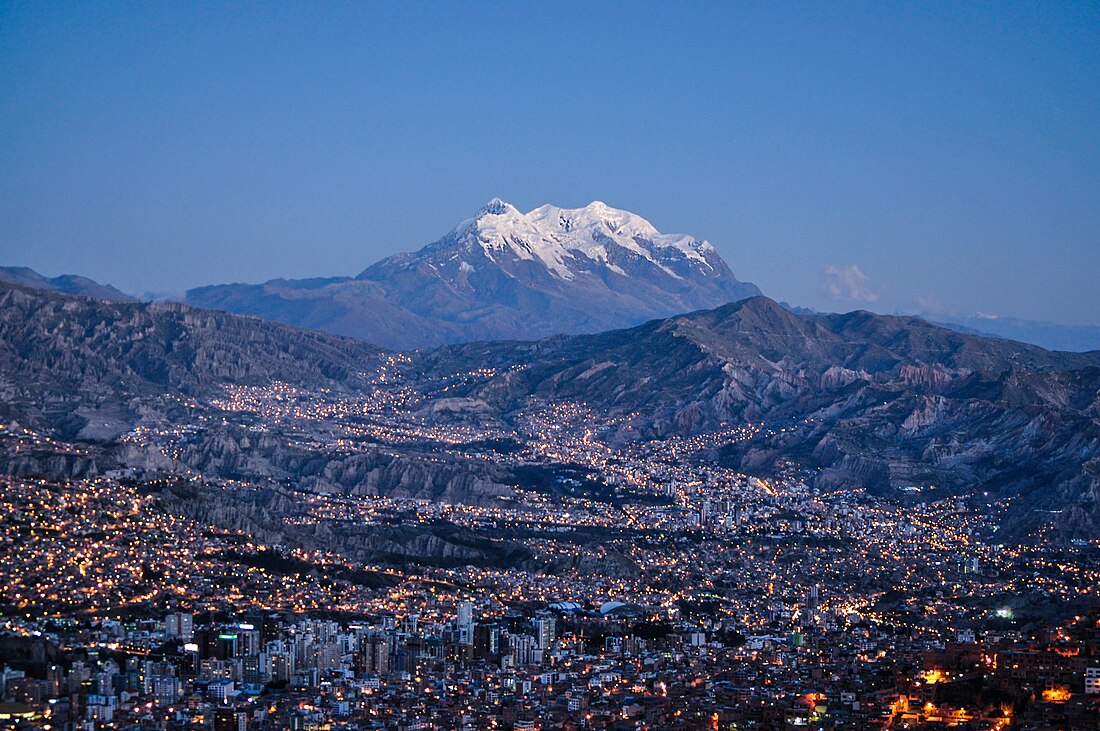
[504,274]
[873,401]
[1049,335]
[72,284]
[859,400]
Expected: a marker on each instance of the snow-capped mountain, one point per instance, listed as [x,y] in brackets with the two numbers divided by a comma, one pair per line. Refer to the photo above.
[572,242]
[505,274]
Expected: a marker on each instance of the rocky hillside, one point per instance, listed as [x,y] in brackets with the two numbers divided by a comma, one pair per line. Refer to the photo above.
[62,356]
[883,402]
[891,404]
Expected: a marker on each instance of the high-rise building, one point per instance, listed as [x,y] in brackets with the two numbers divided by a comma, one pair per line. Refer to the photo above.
[1092,681]
[374,655]
[524,650]
[487,640]
[250,670]
[166,688]
[282,666]
[248,639]
[545,629]
[228,644]
[465,624]
[229,719]
[180,625]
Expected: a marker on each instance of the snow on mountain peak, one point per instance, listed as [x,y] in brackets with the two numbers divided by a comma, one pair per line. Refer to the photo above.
[557,237]
[592,228]
[496,207]
[499,227]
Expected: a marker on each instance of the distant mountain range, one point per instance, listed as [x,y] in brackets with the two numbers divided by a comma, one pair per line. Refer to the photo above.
[66,283]
[352,315]
[504,274]
[1049,335]
[880,402]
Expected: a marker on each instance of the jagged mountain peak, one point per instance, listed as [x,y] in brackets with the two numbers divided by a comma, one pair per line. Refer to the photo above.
[506,274]
[572,242]
[496,207]
[595,213]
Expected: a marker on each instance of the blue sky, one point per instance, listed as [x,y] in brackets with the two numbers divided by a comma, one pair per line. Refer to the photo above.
[892,156]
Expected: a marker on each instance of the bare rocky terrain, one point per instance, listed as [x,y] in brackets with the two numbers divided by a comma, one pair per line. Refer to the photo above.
[883,403]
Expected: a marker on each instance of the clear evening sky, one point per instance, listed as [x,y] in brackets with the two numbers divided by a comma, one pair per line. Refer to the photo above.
[920,156]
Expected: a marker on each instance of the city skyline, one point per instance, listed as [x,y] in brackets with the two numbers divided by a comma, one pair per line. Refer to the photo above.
[549,367]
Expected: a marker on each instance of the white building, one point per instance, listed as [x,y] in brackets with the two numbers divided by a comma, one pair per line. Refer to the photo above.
[1092,681]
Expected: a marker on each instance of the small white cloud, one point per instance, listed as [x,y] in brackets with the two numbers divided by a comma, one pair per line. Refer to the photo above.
[849,284]
[930,305]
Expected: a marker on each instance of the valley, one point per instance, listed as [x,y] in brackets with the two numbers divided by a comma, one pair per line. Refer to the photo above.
[729,476]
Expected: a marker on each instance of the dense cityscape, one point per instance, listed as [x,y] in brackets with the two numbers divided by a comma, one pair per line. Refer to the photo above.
[634,585]
[571,366]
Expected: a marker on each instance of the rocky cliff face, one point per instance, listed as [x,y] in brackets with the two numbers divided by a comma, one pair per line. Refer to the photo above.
[272,516]
[233,452]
